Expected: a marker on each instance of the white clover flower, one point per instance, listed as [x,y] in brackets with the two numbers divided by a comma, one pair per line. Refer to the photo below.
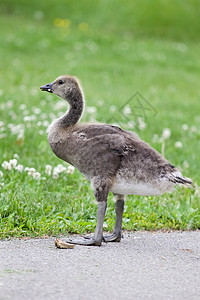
[25,112]
[31,171]
[13,128]
[36,175]
[48,169]
[27,169]
[127,110]
[16,156]
[9,103]
[1,123]
[20,136]
[131,124]
[166,133]
[29,118]
[36,110]
[141,124]
[44,116]
[113,108]
[6,165]
[155,138]
[1,174]
[17,129]
[22,86]
[10,125]
[193,128]
[197,191]
[59,169]
[19,168]
[59,105]
[92,119]
[70,170]
[34,91]
[55,175]
[91,109]
[1,185]
[3,135]
[100,102]
[2,106]
[13,162]
[12,114]
[55,170]
[185,164]
[45,123]
[185,127]
[22,106]
[178,144]
[52,116]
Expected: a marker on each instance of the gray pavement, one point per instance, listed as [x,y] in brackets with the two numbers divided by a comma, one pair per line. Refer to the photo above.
[143,266]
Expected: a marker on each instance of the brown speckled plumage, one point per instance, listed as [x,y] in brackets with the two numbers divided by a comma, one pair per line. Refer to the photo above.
[111,158]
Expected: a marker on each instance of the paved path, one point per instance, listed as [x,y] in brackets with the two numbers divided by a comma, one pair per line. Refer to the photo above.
[143,266]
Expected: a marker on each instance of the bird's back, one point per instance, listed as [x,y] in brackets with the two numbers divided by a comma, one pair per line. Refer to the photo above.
[108,150]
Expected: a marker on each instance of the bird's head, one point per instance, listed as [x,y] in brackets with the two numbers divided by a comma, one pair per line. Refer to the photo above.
[66,87]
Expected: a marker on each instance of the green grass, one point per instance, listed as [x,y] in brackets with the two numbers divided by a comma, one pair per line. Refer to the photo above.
[116,50]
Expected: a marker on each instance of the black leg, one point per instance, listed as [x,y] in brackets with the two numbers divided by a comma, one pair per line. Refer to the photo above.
[119,208]
[101,189]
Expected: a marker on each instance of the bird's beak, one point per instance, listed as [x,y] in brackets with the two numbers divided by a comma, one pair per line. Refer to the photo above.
[47,87]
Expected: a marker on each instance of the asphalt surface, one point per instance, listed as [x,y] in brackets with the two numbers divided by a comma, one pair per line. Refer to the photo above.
[142,266]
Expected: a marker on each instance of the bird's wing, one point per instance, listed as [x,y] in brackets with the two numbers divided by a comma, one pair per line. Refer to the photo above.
[97,149]
[105,137]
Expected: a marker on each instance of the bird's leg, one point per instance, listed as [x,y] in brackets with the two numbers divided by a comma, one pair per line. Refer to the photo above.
[98,234]
[119,208]
[101,192]
[96,239]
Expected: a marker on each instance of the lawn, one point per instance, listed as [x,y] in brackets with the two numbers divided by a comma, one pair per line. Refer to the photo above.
[139,67]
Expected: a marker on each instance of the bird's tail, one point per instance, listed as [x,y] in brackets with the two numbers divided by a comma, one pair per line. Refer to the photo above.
[177,178]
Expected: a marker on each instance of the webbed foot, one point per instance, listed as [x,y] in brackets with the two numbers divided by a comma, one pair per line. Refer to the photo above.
[85,241]
[97,238]
[114,237]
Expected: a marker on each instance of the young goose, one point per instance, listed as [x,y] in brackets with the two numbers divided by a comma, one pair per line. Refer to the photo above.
[114,160]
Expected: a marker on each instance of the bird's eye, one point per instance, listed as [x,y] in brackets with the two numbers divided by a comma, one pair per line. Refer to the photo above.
[60,81]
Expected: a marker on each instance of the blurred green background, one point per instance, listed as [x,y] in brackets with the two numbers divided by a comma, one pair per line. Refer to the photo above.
[116,49]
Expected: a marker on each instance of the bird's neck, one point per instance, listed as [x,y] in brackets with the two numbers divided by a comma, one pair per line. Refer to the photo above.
[74,113]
